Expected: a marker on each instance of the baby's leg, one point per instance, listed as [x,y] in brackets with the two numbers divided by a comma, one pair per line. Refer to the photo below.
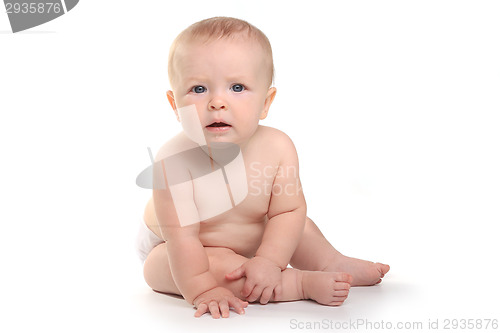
[315,253]
[324,287]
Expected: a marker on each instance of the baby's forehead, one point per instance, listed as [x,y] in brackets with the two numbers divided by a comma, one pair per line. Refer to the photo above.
[241,52]
[195,44]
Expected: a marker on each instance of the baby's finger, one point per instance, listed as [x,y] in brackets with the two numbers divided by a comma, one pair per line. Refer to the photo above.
[214,309]
[266,295]
[247,288]
[224,308]
[238,305]
[257,291]
[236,274]
[277,293]
[202,308]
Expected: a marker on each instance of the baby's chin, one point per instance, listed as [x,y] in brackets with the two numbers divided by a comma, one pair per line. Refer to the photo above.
[219,137]
[221,143]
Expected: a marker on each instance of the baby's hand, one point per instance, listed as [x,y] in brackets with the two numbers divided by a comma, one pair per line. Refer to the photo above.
[217,301]
[263,279]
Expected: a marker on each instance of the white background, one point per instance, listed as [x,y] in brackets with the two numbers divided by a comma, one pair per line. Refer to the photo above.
[394,109]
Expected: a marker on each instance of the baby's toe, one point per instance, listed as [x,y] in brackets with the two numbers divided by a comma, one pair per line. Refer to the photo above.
[339,299]
[343,277]
[342,286]
[341,293]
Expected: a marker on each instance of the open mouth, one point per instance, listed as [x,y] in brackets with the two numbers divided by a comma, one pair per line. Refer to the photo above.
[218,124]
[218,127]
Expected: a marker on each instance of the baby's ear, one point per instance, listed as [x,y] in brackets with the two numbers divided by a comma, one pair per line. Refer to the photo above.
[271,93]
[171,100]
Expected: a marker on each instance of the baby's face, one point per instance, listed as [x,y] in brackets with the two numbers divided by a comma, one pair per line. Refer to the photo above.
[228,82]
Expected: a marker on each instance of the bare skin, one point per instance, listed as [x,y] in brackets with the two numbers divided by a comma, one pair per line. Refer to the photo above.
[315,253]
[230,239]
[324,287]
[223,260]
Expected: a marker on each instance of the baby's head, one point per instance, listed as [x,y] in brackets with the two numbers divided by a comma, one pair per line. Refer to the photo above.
[224,67]
[220,28]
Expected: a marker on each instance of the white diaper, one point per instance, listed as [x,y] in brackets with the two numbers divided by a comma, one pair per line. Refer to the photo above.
[146,240]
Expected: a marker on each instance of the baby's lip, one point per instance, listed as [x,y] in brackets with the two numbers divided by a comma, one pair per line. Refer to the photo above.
[218,124]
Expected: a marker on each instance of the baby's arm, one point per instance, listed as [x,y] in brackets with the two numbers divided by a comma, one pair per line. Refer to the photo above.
[187,257]
[287,214]
[287,209]
[190,270]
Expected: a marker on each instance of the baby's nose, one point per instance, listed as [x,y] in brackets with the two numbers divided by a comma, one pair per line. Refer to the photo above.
[217,104]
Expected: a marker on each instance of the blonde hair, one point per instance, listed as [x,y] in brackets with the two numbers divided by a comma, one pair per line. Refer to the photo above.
[218,28]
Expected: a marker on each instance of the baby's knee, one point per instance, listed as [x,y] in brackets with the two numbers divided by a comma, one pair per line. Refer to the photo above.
[157,272]
[218,252]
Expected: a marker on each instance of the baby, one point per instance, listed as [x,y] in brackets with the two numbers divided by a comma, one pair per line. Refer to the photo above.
[231,219]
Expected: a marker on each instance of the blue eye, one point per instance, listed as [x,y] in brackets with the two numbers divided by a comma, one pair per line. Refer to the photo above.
[198,89]
[237,87]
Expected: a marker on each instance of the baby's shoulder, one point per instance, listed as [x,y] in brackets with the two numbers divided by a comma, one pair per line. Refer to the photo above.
[274,141]
[273,137]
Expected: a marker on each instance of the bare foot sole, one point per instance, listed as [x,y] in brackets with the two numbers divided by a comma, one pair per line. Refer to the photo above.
[326,288]
[364,273]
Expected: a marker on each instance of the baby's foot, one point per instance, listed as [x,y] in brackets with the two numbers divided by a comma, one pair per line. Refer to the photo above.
[364,273]
[326,288]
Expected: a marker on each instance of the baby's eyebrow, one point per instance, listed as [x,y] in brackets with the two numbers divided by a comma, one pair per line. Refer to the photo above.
[238,77]
[206,79]
[196,79]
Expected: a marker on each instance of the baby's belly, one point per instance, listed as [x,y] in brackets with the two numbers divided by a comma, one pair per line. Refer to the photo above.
[243,238]
[240,229]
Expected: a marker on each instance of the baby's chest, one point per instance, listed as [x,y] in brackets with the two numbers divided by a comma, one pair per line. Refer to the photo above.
[237,188]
